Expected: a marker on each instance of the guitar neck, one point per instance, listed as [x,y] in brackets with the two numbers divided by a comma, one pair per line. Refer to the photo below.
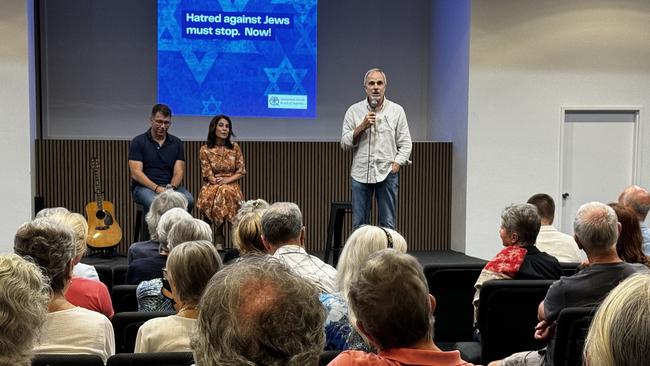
[99,195]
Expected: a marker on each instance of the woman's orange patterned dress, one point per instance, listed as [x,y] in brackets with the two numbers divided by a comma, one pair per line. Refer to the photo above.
[220,202]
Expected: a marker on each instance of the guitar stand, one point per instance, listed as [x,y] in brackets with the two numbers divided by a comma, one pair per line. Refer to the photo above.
[106,253]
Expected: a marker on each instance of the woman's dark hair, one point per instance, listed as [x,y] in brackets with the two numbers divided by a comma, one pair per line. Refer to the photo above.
[212,136]
[630,240]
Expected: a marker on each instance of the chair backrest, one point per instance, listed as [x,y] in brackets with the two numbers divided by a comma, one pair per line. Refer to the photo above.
[569,269]
[119,274]
[151,359]
[67,360]
[507,316]
[453,287]
[126,325]
[124,298]
[105,275]
[570,334]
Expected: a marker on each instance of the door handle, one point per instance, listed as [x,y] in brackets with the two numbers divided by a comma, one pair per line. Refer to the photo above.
[565,195]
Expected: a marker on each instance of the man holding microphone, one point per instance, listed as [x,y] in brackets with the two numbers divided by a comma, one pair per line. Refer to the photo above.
[377,131]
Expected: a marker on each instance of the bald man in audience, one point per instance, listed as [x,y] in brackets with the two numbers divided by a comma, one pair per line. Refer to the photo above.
[394,311]
[638,198]
[549,239]
[596,230]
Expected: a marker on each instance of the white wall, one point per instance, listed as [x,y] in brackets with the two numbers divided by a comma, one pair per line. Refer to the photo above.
[15,142]
[527,59]
[450,25]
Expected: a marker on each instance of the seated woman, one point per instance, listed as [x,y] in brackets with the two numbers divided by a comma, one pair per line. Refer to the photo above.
[618,334]
[247,230]
[363,242]
[222,165]
[520,259]
[150,266]
[629,245]
[85,292]
[68,328]
[189,268]
[163,202]
[80,269]
[23,300]
[149,293]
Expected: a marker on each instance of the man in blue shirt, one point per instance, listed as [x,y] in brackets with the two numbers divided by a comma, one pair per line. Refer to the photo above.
[157,160]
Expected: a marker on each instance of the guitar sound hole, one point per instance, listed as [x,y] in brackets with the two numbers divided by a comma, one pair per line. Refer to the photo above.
[100,214]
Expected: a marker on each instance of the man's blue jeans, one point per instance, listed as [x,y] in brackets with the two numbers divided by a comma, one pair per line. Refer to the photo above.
[386,195]
[144,196]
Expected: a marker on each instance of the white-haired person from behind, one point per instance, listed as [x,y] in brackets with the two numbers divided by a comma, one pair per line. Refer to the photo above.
[68,329]
[163,202]
[364,241]
[153,295]
[618,335]
[150,266]
[189,268]
[257,311]
[24,295]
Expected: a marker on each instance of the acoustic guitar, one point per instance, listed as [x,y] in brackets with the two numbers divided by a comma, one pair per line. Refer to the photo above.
[103,230]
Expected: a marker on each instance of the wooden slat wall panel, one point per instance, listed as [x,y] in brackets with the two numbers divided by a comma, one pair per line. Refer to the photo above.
[312,174]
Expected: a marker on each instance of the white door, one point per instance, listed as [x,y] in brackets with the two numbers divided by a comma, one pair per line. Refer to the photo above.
[598,158]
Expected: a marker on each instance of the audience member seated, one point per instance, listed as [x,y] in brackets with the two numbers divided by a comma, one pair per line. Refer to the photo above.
[364,241]
[619,332]
[68,328]
[189,268]
[163,202]
[257,311]
[549,239]
[638,199]
[247,230]
[23,307]
[283,235]
[394,310]
[630,242]
[150,267]
[85,292]
[152,295]
[596,229]
[80,269]
[520,259]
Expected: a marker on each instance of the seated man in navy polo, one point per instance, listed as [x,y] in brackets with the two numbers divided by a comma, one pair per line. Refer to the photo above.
[157,160]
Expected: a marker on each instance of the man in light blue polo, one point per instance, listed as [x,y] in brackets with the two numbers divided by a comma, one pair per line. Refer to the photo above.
[377,131]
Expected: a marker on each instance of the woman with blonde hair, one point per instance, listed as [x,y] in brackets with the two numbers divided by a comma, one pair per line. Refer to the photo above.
[189,268]
[618,335]
[23,300]
[360,245]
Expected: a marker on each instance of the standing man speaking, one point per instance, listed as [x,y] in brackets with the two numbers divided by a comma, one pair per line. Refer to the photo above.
[377,131]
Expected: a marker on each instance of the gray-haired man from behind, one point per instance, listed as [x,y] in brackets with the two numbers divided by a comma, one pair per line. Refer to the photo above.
[283,235]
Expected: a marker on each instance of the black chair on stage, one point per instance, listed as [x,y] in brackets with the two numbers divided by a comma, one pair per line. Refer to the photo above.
[507,317]
[67,360]
[570,333]
[124,298]
[334,242]
[126,325]
[453,287]
[151,359]
[140,228]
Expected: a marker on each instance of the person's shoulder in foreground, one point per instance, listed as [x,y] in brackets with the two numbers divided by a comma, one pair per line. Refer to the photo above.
[400,356]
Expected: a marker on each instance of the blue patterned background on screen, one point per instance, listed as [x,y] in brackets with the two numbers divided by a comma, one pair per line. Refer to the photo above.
[206,74]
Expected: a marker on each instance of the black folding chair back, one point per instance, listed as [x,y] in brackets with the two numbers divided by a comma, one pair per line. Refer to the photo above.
[126,325]
[66,360]
[151,359]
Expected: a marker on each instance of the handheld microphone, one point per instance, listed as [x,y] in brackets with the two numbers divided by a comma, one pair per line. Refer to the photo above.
[374,102]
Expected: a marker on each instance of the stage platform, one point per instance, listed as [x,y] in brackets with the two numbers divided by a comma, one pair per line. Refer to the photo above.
[428,257]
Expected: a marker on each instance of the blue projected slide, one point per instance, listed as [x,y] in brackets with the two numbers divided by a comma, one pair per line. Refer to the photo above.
[248,58]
